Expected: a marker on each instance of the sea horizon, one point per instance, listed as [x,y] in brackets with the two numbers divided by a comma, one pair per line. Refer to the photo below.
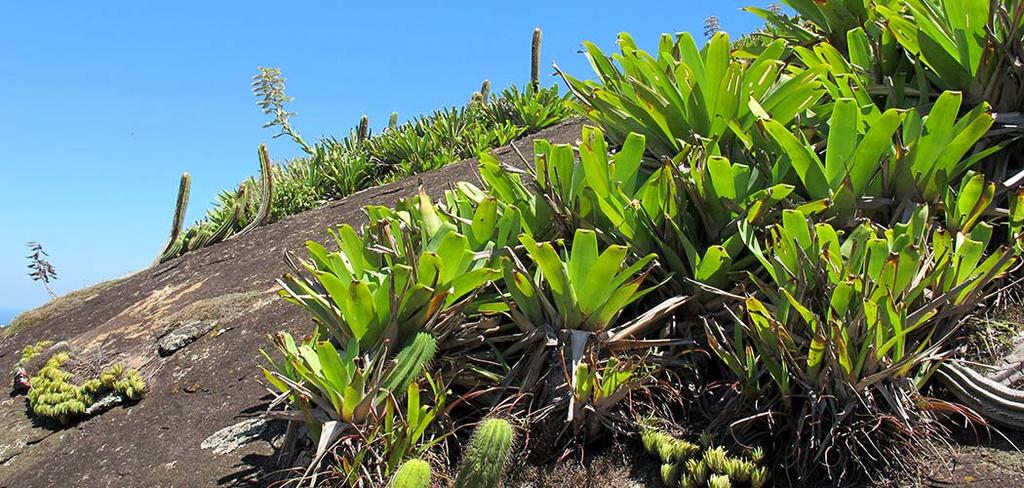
[7,314]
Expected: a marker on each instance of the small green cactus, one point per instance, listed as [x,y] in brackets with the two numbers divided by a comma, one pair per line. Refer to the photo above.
[484,462]
[224,230]
[180,206]
[414,473]
[409,363]
[393,121]
[173,250]
[535,61]
[199,236]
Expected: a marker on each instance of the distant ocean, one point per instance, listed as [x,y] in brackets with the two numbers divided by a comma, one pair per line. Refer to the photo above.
[7,314]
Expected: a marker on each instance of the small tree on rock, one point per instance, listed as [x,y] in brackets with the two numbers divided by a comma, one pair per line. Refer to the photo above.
[39,268]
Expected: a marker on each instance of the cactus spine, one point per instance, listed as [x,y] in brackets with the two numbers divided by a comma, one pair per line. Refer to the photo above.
[173,246]
[414,473]
[535,61]
[364,129]
[487,455]
[266,193]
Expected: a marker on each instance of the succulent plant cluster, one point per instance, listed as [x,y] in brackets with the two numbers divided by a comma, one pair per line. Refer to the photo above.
[53,394]
[688,465]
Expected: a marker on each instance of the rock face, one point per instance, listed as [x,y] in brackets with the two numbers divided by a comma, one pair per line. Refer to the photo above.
[194,327]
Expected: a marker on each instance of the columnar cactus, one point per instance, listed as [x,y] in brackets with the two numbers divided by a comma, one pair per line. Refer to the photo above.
[364,129]
[484,462]
[393,121]
[203,238]
[414,473]
[181,205]
[266,193]
[410,361]
[227,226]
[485,91]
[535,61]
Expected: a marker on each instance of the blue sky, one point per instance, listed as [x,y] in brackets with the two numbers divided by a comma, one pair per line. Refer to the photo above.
[104,104]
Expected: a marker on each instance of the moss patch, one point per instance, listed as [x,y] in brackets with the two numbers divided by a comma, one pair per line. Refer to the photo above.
[215,308]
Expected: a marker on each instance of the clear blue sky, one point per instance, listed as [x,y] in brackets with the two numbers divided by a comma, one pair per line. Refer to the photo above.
[104,104]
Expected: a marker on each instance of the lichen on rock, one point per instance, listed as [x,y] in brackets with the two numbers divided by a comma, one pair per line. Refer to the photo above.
[184,335]
[234,436]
